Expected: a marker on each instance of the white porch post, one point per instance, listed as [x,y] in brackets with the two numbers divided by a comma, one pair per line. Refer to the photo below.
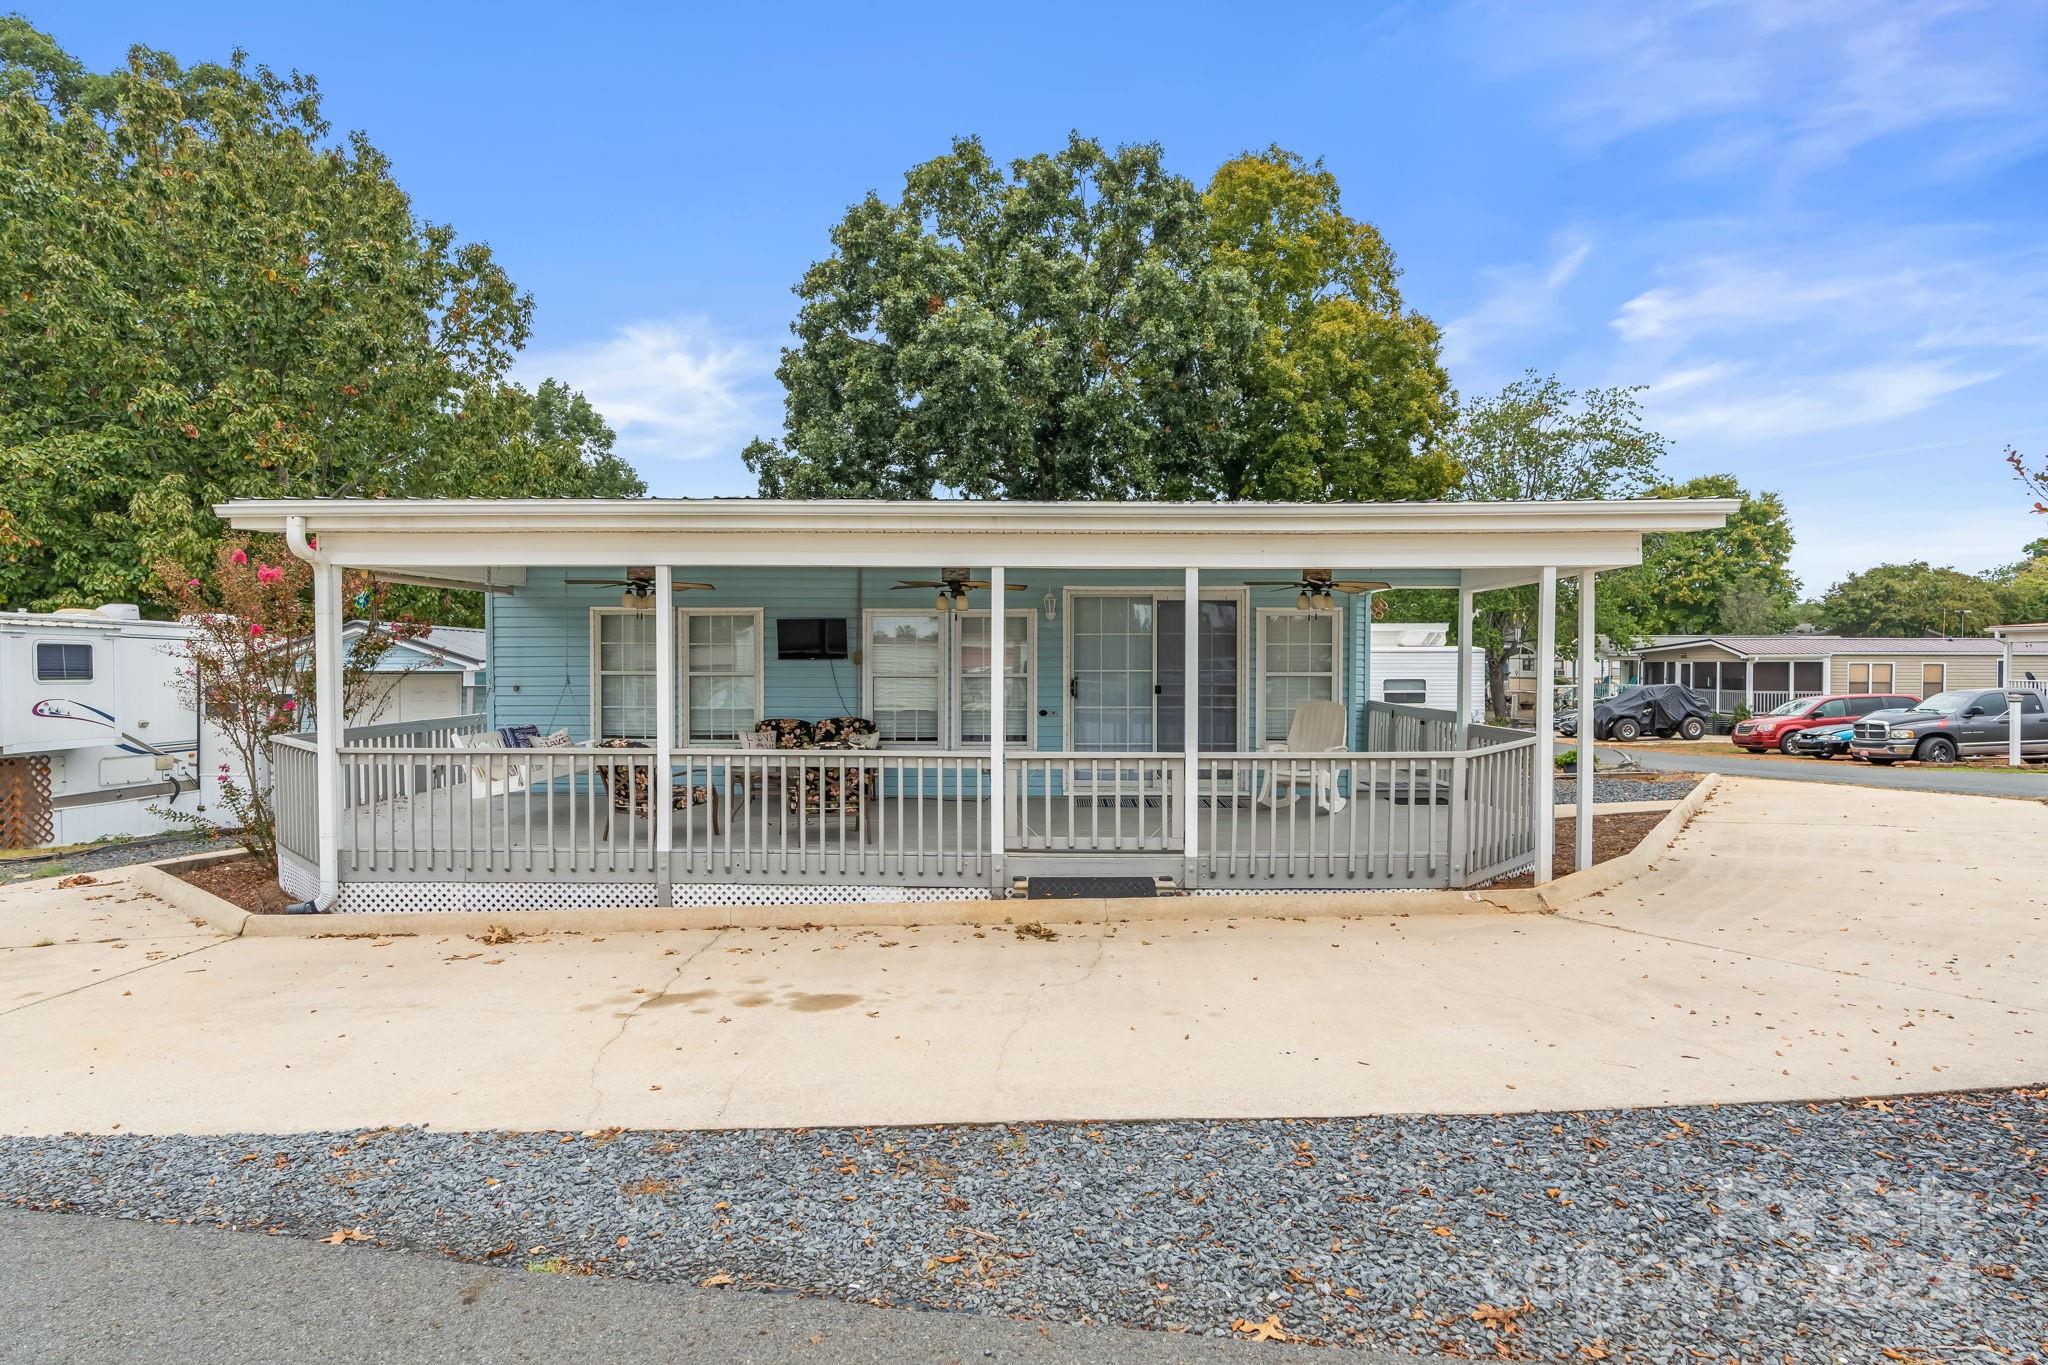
[998,727]
[1749,685]
[328,721]
[1582,827]
[1190,719]
[2013,692]
[661,800]
[1464,664]
[1546,721]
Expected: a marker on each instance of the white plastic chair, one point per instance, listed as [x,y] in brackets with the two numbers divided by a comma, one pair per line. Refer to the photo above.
[1316,727]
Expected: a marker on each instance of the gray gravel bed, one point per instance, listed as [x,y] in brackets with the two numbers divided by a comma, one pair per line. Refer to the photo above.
[112,854]
[1566,789]
[1828,1231]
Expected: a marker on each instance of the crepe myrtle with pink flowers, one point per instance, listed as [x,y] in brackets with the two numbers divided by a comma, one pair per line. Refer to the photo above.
[248,668]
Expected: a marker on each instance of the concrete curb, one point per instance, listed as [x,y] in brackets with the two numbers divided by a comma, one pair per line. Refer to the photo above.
[162,881]
[1577,886]
[978,913]
[1613,808]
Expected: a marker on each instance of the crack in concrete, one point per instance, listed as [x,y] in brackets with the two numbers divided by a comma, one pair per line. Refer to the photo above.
[995,1075]
[1568,918]
[597,1059]
[109,980]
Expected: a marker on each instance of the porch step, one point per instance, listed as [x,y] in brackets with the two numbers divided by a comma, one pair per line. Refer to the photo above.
[1095,887]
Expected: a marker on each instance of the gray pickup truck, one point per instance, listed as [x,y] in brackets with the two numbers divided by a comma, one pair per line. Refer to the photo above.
[1951,725]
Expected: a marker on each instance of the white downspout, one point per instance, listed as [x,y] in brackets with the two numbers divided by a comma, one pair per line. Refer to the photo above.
[1546,721]
[327,717]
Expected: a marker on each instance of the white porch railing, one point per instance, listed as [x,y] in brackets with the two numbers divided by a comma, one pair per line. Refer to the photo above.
[1408,816]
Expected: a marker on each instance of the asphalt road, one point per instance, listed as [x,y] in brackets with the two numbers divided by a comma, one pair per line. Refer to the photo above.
[1713,758]
[83,1288]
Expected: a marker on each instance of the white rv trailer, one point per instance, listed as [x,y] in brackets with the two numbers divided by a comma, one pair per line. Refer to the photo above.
[1414,664]
[97,737]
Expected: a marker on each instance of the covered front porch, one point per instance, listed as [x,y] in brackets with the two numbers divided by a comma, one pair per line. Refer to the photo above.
[746,703]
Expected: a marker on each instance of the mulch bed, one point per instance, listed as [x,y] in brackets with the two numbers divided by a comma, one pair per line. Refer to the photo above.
[244,882]
[1613,835]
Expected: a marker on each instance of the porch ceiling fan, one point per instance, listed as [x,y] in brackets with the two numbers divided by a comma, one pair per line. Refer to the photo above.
[953,586]
[1314,588]
[638,584]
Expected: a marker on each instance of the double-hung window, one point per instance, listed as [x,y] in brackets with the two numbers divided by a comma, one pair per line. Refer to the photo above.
[721,674]
[622,674]
[972,668]
[1870,677]
[905,673]
[1298,656]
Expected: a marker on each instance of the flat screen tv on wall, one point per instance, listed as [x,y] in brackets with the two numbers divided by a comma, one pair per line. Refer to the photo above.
[810,637]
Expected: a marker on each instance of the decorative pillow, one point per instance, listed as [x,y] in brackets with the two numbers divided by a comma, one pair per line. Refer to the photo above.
[846,732]
[518,736]
[789,733]
[558,739]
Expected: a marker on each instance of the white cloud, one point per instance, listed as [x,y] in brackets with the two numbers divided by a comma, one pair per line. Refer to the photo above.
[676,390]
[1792,87]
[1734,402]
[1519,300]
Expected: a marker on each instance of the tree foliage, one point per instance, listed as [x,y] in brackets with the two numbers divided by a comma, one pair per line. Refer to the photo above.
[1538,439]
[1733,578]
[203,295]
[1909,599]
[1346,399]
[1086,324]
[1059,330]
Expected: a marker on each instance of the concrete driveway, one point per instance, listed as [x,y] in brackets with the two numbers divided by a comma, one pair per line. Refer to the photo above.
[1796,942]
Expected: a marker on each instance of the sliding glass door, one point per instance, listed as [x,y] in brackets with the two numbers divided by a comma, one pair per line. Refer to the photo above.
[1126,685]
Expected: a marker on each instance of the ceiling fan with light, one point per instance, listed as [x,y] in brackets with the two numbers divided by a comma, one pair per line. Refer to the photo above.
[638,584]
[1315,587]
[953,586]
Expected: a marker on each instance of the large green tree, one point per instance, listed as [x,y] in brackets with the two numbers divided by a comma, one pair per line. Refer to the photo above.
[204,295]
[1347,399]
[1909,599]
[1058,329]
[1734,578]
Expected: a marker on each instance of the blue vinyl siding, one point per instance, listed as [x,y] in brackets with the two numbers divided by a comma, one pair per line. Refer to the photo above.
[538,641]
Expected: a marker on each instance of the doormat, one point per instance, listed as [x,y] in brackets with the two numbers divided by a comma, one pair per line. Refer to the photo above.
[1087,888]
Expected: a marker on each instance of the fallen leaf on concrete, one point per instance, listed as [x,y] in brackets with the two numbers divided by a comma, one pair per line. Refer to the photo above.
[77,879]
[716,1281]
[495,935]
[340,1235]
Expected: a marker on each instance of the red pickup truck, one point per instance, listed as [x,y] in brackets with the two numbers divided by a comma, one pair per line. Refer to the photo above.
[1774,730]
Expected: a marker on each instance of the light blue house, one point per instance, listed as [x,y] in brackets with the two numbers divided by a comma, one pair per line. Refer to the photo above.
[738,700]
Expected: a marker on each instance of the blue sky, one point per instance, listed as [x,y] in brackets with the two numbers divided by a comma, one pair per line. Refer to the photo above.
[1814,231]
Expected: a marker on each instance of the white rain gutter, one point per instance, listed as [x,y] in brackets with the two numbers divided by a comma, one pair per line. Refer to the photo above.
[327,717]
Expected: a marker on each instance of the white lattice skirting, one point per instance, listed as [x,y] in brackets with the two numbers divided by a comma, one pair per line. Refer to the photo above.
[383,897]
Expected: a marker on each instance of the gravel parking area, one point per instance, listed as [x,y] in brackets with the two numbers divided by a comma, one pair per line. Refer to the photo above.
[1566,789]
[107,856]
[1841,1230]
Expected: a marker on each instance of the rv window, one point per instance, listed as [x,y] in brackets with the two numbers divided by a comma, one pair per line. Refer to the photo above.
[63,663]
[1405,691]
